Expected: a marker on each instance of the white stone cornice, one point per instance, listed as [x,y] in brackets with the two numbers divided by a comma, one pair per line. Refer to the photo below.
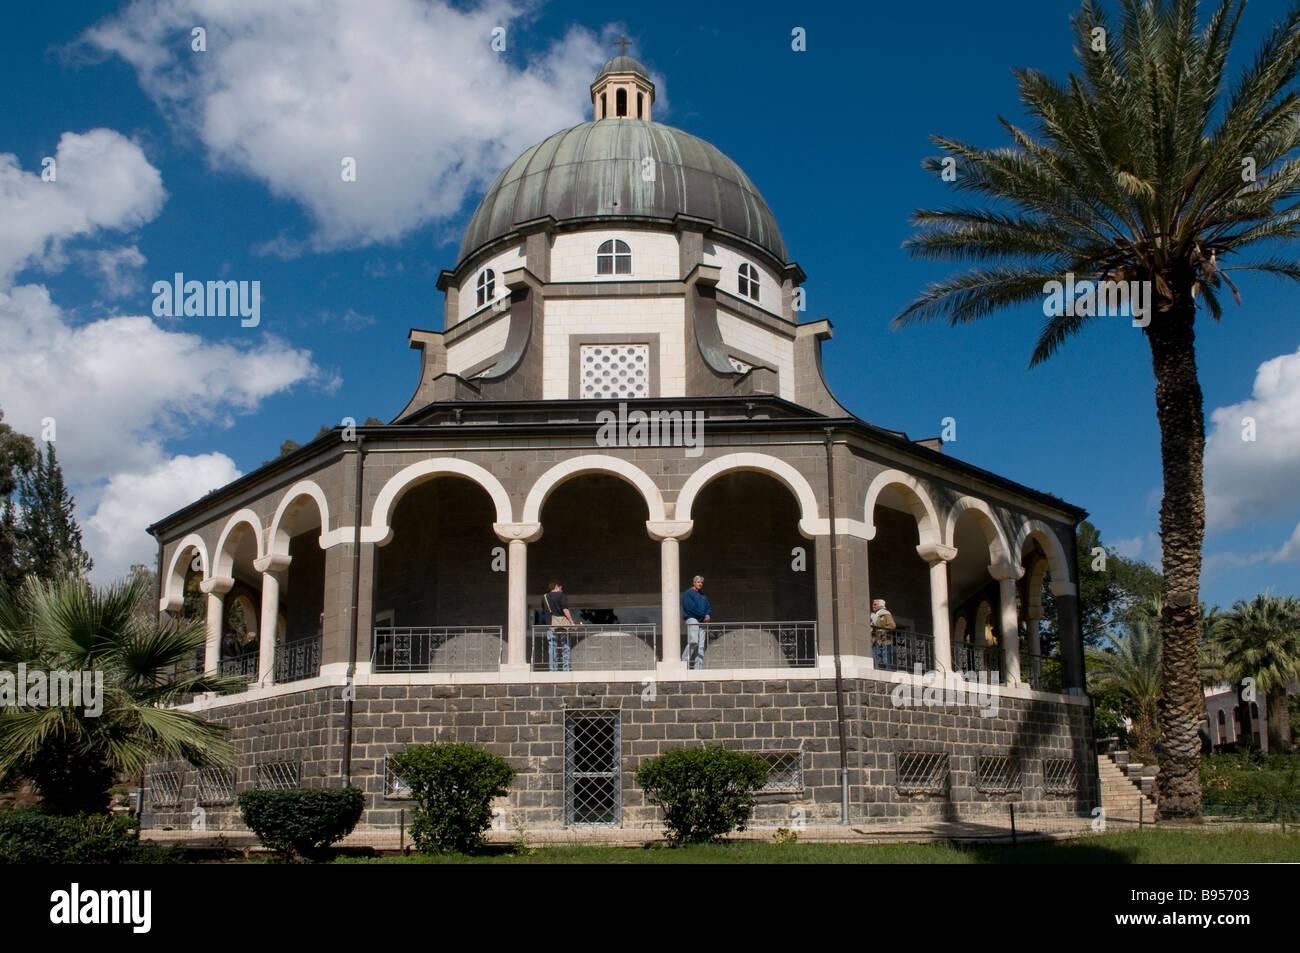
[274,562]
[660,530]
[527,532]
[217,586]
[936,553]
[1004,570]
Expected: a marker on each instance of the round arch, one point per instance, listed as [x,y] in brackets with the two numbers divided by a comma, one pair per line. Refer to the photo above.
[592,463]
[1046,537]
[794,481]
[278,538]
[999,550]
[381,514]
[223,562]
[173,595]
[918,501]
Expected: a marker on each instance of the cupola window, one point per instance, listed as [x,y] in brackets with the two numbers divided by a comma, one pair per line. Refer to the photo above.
[620,103]
[614,257]
[487,283]
[749,281]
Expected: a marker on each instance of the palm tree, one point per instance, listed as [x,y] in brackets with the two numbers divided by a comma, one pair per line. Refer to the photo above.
[1260,639]
[1137,171]
[1131,670]
[73,753]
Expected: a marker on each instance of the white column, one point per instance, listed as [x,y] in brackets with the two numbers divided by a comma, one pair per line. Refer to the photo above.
[1006,574]
[270,567]
[669,532]
[1033,622]
[517,536]
[938,556]
[216,590]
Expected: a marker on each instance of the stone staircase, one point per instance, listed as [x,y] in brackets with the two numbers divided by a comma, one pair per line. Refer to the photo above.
[1124,785]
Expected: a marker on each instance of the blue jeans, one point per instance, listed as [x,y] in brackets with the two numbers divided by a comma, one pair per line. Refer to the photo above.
[693,653]
[557,649]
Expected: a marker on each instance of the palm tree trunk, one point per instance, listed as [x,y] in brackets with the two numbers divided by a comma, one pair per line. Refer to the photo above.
[1171,336]
[1279,720]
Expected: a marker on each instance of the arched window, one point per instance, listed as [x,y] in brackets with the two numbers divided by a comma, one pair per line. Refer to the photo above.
[620,103]
[604,107]
[749,281]
[487,283]
[639,98]
[614,257]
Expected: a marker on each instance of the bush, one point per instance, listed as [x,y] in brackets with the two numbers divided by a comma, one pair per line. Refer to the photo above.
[452,786]
[301,822]
[704,792]
[35,837]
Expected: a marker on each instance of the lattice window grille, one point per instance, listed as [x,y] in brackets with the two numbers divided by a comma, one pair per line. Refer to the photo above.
[784,771]
[165,789]
[998,775]
[278,775]
[593,767]
[1060,776]
[216,785]
[395,786]
[615,370]
[921,772]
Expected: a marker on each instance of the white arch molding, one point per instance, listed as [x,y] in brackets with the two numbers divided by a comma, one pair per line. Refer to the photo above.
[592,463]
[794,481]
[223,562]
[999,551]
[278,539]
[1046,537]
[918,500]
[173,596]
[380,529]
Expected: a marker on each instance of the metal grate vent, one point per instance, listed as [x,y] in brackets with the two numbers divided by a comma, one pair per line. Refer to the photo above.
[998,775]
[922,772]
[395,786]
[216,785]
[1060,776]
[165,789]
[593,768]
[784,772]
[278,775]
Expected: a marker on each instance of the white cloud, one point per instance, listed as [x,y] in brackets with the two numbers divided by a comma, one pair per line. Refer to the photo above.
[1256,479]
[411,90]
[115,533]
[119,270]
[1290,551]
[102,181]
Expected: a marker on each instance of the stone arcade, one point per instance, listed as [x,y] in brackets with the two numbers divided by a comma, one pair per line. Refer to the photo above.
[407,563]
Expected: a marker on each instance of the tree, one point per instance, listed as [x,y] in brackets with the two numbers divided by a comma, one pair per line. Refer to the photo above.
[1260,639]
[1110,594]
[1130,671]
[1140,170]
[17,454]
[73,752]
[52,539]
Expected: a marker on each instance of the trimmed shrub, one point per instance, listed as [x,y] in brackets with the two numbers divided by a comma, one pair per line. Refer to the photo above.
[452,786]
[301,823]
[704,792]
[35,837]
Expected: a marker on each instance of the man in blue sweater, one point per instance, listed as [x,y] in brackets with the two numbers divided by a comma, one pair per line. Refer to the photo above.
[695,609]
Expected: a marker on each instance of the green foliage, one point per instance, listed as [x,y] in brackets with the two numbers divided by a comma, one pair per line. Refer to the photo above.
[705,793]
[301,822]
[453,786]
[1127,675]
[52,538]
[1119,592]
[1252,786]
[73,752]
[35,837]
[1260,639]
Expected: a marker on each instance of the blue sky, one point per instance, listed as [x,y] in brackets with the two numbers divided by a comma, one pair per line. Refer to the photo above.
[224,164]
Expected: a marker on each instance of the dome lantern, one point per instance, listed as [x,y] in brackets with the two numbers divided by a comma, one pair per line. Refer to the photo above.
[622,89]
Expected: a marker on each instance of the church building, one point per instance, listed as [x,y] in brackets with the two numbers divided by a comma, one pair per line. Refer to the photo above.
[623,396]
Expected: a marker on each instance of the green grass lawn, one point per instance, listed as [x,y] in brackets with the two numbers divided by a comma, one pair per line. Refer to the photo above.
[1128,847]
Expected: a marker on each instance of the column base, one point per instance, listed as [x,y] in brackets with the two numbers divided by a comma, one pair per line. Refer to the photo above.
[523,670]
[674,668]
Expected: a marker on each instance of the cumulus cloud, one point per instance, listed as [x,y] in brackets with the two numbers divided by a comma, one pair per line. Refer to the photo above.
[1256,479]
[118,269]
[101,180]
[413,91]
[115,533]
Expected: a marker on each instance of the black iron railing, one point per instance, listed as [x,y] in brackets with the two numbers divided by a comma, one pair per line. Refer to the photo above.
[297,660]
[902,650]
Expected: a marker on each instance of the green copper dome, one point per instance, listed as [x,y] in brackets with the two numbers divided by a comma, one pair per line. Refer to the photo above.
[596,169]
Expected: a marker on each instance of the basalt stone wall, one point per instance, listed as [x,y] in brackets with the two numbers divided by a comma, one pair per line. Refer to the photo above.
[525,723]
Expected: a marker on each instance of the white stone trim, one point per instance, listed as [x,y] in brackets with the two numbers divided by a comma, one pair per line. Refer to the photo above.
[923,509]
[999,551]
[1051,543]
[173,596]
[592,463]
[223,564]
[810,521]
[380,529]
[274,544]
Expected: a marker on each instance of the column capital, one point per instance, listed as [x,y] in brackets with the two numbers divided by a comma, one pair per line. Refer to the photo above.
[520,532]
[272,562]
[669,529]
[936,553]
[1003,571]
[217,586]
[1064,588]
